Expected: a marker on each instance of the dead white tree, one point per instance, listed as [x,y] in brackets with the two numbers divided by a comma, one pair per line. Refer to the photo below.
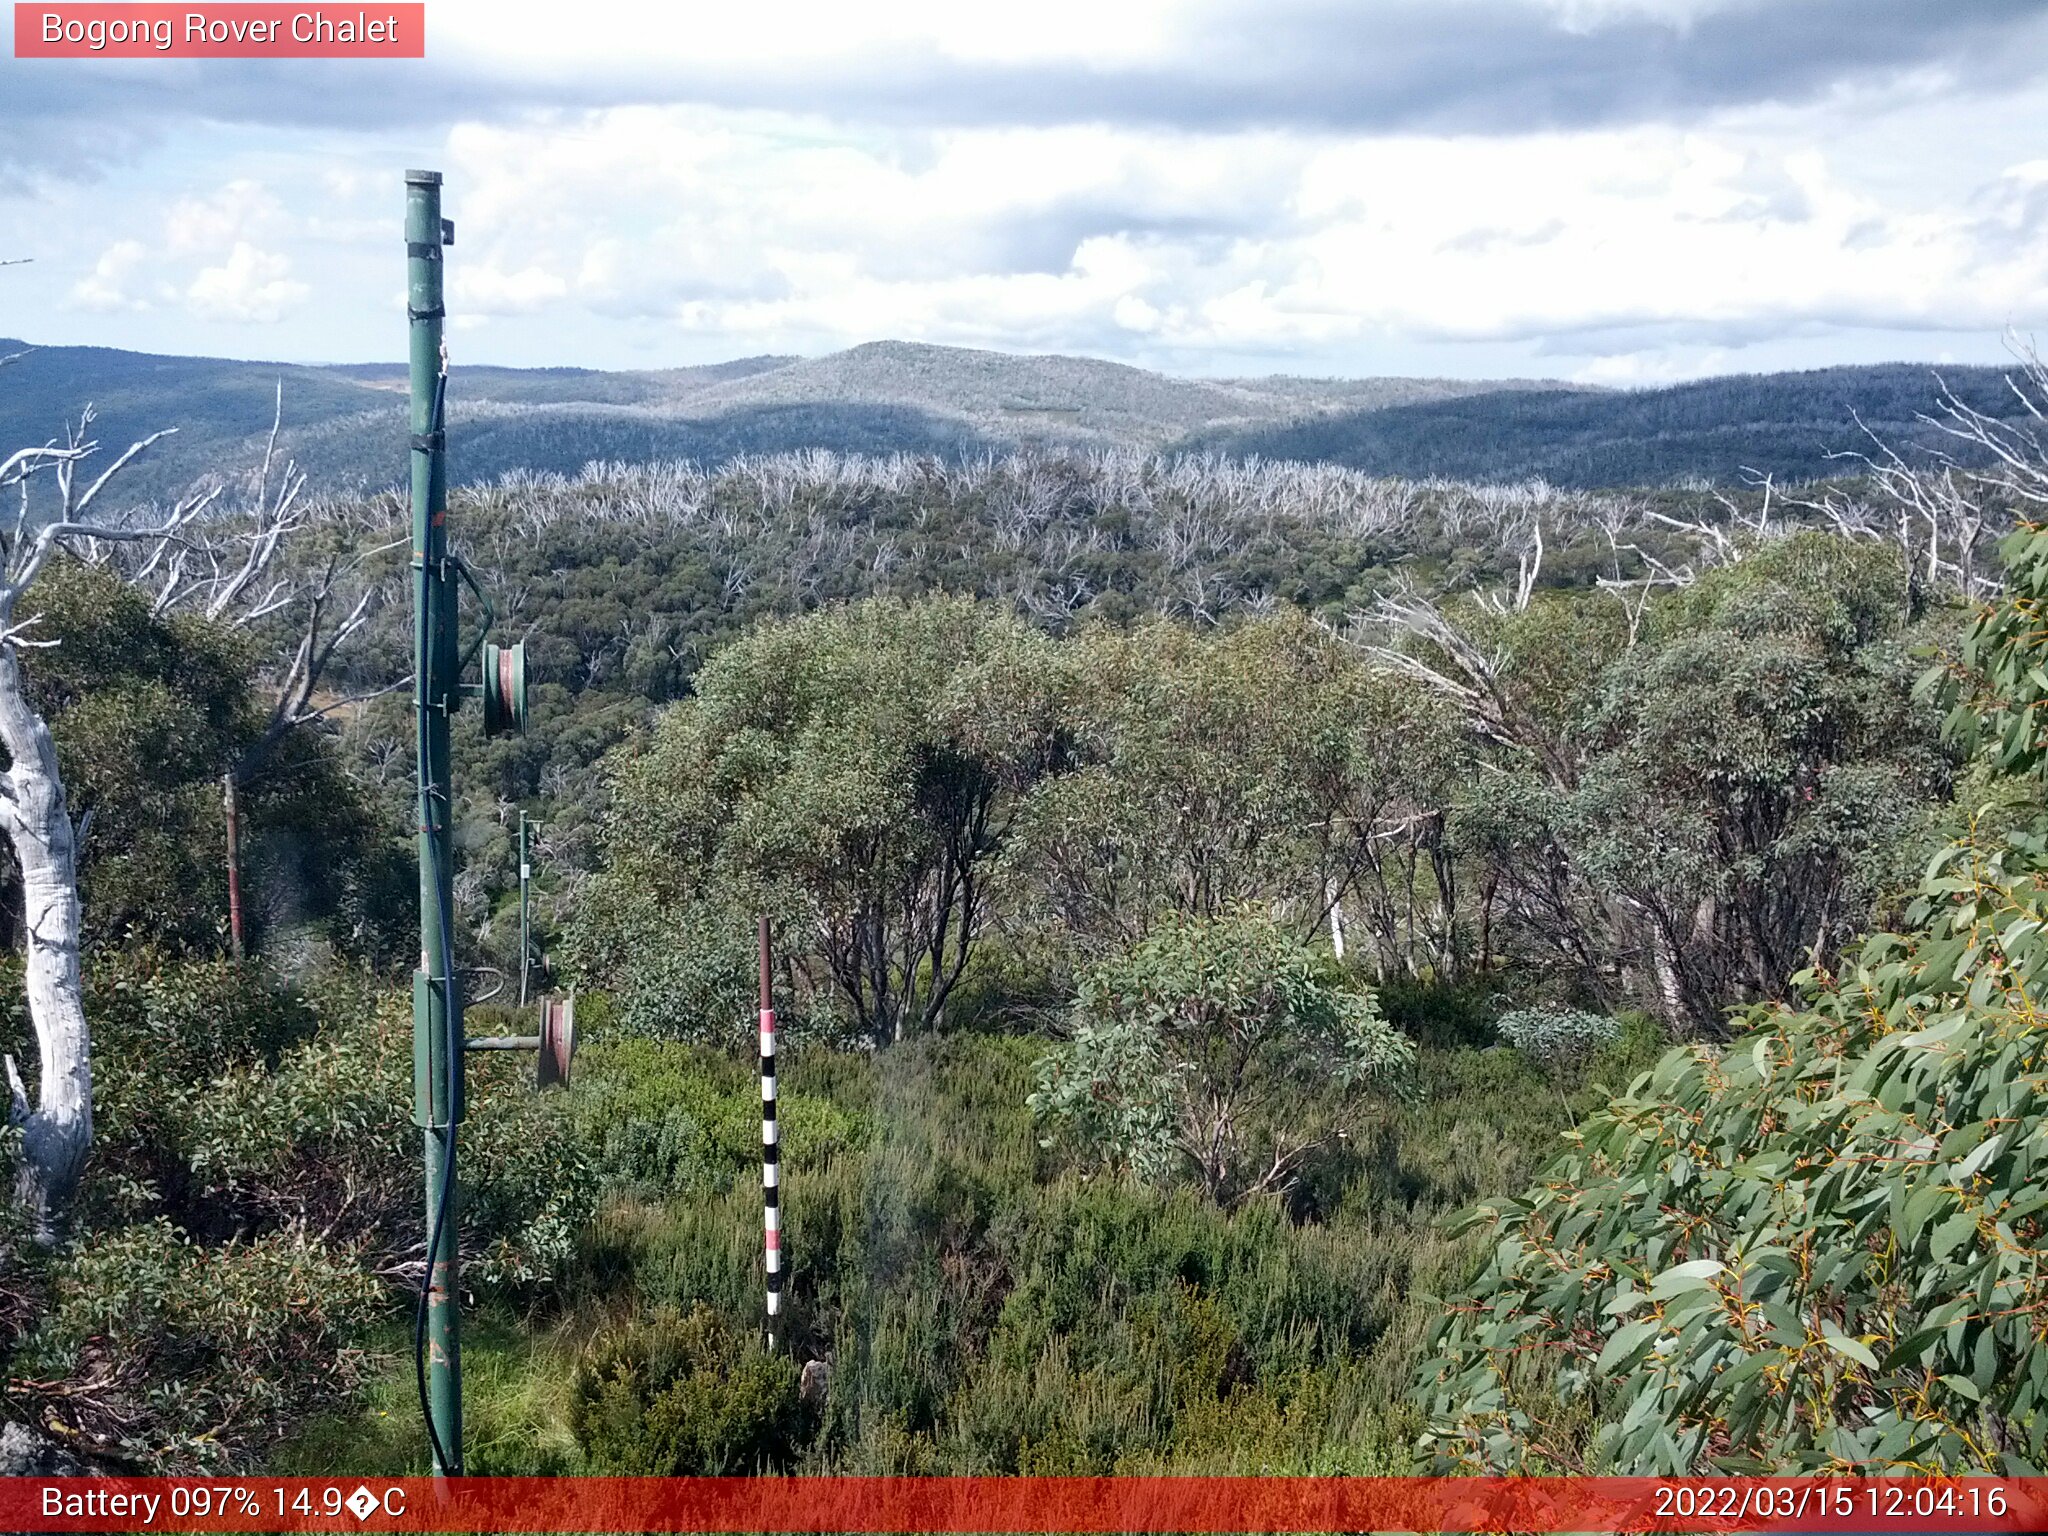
[1726,544]
[1528,569]
[1943,513]
[1458,666]
[234,569]
[190,557]
[56,1130]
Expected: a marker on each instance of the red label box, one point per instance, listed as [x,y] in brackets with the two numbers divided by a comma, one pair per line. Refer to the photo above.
[366,29]
[1789,1506]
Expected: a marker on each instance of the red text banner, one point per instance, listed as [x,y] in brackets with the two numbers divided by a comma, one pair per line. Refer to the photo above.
[220,31]
[1026,1504]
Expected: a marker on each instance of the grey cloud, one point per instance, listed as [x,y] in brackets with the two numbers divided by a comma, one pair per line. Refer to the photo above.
[1736,333]
[1045,239]
[1609,339]
[1474,66]
[1480,66]
[1490,238]
[74,118]
[2012,217]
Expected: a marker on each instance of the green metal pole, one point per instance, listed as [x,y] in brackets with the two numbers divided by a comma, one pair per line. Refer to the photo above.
[525,946]
[437,1006]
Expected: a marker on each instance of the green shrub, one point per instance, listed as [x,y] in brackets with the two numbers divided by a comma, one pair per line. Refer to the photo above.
[256,1173]
[1825,1246]
[1201,1049]
[529,1182]
[164,1032]
[1820,1248]
[685,1396]
[664,1118]
[1557,1037]
[177,1352]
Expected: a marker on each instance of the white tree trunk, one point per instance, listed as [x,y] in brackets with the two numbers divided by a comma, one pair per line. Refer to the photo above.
[57,1132]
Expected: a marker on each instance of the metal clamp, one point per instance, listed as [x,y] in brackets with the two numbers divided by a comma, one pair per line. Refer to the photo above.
[468,578]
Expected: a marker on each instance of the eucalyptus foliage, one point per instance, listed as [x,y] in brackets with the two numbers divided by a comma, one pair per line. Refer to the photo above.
[1556,1035]
[1697,804]
[252,1204]
[853,773]
[1826,1245]
[1260,763]
[147,712]
[1190,1053]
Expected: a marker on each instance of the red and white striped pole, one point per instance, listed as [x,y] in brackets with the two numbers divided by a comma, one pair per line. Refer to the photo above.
[771,1150]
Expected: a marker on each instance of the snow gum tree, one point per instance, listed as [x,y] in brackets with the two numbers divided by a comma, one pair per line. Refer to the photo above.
[56,1129]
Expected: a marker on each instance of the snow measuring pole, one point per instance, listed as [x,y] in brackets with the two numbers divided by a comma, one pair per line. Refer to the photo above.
[439,660]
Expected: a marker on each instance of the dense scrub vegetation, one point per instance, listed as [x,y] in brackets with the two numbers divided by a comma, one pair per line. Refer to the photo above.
[1677,821]
[250,1204]
[1191,883]
[1825,1246]
[147,712]
[626,579]
[987,1303]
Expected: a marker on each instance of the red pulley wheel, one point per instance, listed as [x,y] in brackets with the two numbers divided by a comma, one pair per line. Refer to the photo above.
[504,688]
[557,1040]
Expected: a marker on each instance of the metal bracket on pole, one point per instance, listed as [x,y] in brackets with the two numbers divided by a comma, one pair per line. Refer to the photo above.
[554,1047]
[438,1097]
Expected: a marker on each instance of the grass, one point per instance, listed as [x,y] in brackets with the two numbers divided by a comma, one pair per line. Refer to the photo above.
[985,1306]
[516,1383]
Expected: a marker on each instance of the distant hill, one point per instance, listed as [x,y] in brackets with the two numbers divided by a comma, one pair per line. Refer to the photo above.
[218,407]
[346,423]
[1081,401]
[1783,423]
[546,386]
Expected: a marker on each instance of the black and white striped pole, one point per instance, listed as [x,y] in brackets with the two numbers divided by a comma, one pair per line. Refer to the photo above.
[771,1149]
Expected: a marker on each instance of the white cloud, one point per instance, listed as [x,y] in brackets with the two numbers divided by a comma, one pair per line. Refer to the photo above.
[250,285]
[1644,370]
[212,225]
[110,287]
[489,290]
[1317,241]
[782,231]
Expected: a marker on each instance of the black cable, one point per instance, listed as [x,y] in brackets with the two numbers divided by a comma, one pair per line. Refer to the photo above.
[446,1183]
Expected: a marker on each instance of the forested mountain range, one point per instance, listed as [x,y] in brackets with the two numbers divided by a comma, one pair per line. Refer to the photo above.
[1793,425]
[344,423]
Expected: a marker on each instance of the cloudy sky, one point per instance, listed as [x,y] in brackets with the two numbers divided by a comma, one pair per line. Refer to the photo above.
[1622,191]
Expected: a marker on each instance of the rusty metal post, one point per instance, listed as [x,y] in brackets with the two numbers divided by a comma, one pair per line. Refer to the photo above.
[234,815]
